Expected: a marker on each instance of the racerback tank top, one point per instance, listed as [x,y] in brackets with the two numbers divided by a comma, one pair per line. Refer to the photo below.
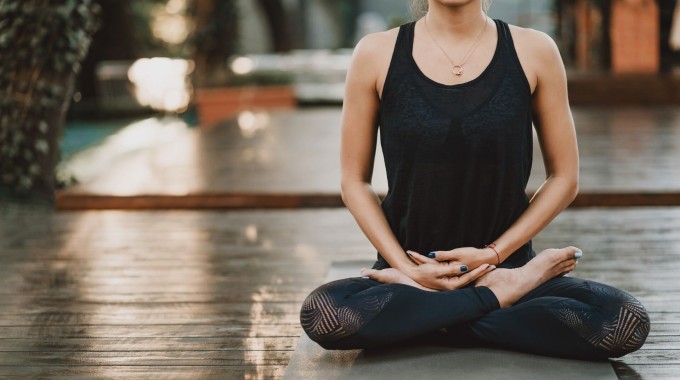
[458,157]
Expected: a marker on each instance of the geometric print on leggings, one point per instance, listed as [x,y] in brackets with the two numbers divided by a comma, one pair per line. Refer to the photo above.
[324,321]
[624,332]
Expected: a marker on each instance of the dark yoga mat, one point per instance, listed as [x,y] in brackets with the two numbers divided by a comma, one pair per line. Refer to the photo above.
[424,361]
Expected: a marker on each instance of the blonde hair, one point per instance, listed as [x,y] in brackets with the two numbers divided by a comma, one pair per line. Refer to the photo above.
[420,7]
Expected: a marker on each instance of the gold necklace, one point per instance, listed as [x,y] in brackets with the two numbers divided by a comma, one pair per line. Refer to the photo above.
[457,69]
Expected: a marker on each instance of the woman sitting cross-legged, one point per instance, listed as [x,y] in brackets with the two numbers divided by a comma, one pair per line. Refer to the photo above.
[456,96]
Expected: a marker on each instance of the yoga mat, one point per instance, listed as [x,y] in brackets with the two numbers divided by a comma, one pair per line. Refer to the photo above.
[430,361]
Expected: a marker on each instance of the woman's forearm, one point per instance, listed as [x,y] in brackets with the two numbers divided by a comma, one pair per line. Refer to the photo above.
[554,195]
[364,204]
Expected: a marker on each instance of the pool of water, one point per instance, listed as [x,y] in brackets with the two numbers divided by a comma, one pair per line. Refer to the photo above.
[91,148]
[79,135]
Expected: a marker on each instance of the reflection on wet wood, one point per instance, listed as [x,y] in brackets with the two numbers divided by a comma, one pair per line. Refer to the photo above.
[72,372]
[217,294]
[166,344]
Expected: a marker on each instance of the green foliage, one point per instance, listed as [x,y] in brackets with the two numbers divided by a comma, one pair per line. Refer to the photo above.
[42,43]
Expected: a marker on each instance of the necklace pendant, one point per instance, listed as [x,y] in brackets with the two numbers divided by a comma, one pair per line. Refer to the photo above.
[457,70]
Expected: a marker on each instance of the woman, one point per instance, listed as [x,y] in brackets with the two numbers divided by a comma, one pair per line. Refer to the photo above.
[455,94]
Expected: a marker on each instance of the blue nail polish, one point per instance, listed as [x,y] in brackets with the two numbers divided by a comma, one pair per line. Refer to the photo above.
[578,254]
[432,255]
[463,268]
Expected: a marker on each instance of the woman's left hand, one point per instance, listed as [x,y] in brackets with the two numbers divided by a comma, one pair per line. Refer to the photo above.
[470,256]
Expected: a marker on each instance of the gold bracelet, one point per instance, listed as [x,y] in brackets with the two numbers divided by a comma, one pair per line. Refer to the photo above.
[493,246]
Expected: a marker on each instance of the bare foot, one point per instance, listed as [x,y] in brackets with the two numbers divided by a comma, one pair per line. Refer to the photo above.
[509,285]
[391,276]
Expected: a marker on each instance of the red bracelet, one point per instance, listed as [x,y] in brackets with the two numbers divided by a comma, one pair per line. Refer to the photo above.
[493,246]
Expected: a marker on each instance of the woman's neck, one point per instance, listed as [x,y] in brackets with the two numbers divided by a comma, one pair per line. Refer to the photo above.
[456,21]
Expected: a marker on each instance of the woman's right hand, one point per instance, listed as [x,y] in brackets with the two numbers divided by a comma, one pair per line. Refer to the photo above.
[434,275]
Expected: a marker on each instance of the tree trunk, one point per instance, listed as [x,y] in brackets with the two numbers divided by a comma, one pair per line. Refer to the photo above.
[42,44]
[277,21]
[115,40]
[213,39]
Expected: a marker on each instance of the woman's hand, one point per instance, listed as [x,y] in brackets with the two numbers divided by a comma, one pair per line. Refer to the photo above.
[471,257]
[424,276]
[444,275]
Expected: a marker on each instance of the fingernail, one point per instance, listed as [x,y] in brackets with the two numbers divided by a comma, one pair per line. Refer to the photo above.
[432,255]
[463,268]
[578,254]
[408,254]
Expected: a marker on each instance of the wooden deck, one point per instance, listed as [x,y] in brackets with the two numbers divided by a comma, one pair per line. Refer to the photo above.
[115,294]
[287,159]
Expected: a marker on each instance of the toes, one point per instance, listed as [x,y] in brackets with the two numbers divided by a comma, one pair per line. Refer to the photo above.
[569,253]
[567,266]
[370,273]
[575,252]
[381,275]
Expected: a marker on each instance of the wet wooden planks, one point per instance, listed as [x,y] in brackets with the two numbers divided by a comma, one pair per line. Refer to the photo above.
[217,294]
[72,372]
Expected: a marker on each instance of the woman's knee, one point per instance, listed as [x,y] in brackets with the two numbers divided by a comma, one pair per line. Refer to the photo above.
[318,316]
[632,328]
[626,323]
[325,318]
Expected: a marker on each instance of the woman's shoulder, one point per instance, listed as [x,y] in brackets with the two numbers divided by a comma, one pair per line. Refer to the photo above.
[532,42]
[377,44]
[538,53]
[373,53]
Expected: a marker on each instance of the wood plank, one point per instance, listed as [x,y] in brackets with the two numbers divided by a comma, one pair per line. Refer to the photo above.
[77,200]
[74,372]
[160,330]
[205,313]
[149,344]
[652,356]
[64,319]
[645,371]
[157,358]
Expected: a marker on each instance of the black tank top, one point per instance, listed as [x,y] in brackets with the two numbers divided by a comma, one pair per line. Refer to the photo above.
[458,157]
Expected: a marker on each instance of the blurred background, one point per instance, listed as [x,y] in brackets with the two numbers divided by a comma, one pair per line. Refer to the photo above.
[122,98]
[181,107]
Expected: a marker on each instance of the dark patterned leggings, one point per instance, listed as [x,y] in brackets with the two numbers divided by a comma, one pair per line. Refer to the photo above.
[565,317]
